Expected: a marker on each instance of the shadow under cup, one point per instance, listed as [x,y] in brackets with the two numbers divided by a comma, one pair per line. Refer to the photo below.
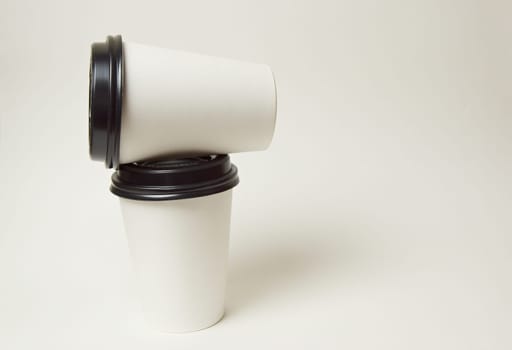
[177,220]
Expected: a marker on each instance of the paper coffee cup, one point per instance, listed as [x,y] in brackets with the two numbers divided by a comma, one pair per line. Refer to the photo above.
[148,103]
[177,220]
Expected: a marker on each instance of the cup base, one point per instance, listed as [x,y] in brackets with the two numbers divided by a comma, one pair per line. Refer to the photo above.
[162,328]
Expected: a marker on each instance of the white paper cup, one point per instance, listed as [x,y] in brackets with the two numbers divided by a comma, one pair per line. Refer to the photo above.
[177,218]
[149,103]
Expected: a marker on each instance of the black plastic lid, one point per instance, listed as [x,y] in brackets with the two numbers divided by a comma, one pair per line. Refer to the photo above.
[175,178]
[105,100]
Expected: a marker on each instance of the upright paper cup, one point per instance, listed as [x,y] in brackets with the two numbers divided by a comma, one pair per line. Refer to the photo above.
[149,103]
[177,220]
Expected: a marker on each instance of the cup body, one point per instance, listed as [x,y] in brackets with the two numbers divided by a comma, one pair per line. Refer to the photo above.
[179,250]
[176,103]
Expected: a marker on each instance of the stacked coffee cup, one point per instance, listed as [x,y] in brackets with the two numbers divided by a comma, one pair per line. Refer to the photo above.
[165,120]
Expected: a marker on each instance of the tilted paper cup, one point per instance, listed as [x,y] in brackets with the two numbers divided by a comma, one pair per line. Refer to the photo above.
[149,103]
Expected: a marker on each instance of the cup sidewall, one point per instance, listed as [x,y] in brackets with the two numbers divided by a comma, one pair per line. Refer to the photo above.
[211,105]
[179,250]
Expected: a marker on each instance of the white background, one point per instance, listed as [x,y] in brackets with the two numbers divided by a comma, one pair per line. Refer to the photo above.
[380,218]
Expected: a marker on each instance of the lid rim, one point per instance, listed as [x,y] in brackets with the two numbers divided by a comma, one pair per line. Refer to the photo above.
[162,196]
[105,100]
[186,180]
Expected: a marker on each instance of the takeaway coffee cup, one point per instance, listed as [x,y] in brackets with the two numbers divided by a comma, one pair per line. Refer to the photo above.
[148,103]
[177,218]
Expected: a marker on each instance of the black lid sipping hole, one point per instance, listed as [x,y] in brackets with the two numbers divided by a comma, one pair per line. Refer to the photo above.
[175,178]
[105,100]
